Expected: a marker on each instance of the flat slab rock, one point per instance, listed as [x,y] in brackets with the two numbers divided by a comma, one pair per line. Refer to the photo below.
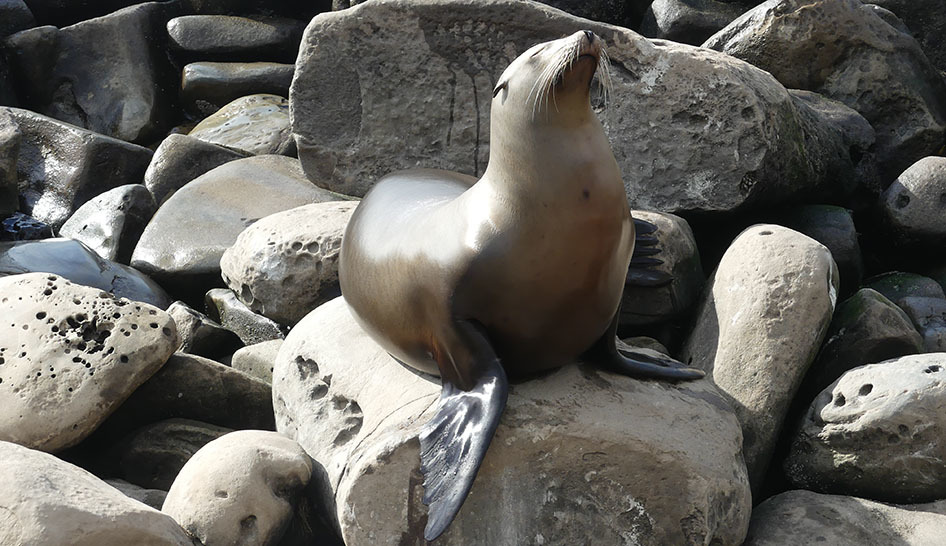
[70,355]
[580,456]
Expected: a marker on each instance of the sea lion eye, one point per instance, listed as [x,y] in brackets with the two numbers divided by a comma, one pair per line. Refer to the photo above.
[499,88]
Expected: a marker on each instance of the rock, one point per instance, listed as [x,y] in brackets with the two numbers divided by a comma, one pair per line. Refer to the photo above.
[681,259]
[196,388]
[7,93]
[15,16]
[759,325]
[70,355]
[804,517]
[76,262]
[414,92]
[240,488]
[896,285]
[152,497]
[255,125]
[258,359]
[915,204]
[223,37]
[10,136]
[845,51]
[111,223]
[688,21]
[929,317]
[60,166]
[878,432]
[286,264]
[200,335]
[47,501]
[357,412]
[224,307]
[220,83]
[152,456]
[110,74]
[185,239]
[925,20]
[834,228]
[20,227]
[67,12]
[180,159]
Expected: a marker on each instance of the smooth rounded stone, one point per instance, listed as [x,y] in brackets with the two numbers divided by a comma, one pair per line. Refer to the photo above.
[185,239]
[220,83]
[926,22]
[180,159]
[20,227]
[151,497]
[74,261]
[896,285]
[255,125]
[110,74]
[642,305]
[834,228]
[231,37]
[258,359]
[661,461]
[15,16]
[691,129]
[61,166]
[48,501]
[914,206]
[69,356]
[196,388]
[804,517]
[878,432]
[846,51]
[152,456]
[224,307]
[929,317]
[62,13]
[688,21]
[10,136]
[866,328]
[240,488]
[759,325]
[286,264]
[200,335]
[111,223]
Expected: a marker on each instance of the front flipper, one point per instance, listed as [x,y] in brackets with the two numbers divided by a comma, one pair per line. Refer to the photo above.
[454,442]
[642,270]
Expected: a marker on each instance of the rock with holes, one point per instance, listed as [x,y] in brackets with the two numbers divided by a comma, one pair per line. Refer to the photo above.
[760,323]
[688,21]
[74,261]
[845,50]
[805,517]
[286,264]
[255,125]
[152,497]
[240,488]
[48,501]
[929,317]
[70,355]
[258,359]
[224,307]
[915,204]
[576,436]
[879,432]
[180,159]
[412,83]
[212,85]
[897,285]
[200,335]
[111,223]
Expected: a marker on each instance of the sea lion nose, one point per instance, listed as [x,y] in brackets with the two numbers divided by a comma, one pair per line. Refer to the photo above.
[591,36]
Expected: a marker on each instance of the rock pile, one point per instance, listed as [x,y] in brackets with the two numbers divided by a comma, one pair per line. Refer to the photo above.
[171,211]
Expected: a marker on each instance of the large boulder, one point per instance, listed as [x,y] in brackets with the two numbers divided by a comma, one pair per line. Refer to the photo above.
[580,455]
[414,91]
[688,21]
[111,223]
[254,125]
[70,355]
[915,204]
[10,136]
[180,159]
[760,323]
[229,37]
[212,85]
[927,23]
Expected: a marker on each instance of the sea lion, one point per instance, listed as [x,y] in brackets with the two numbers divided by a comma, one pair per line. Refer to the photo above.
[517,272]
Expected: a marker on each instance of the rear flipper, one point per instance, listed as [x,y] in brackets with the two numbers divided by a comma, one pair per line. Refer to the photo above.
[454,442]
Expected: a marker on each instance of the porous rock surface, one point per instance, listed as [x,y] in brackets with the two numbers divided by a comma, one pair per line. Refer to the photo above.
[69,355]
[573,449]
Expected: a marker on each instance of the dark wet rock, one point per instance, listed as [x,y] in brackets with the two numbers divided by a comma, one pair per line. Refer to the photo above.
[834,228]
[222,37]
[217,84]
[7,92]
[202,336]
[152,497]
[76,262]
[20,227]
[897,285]
[61,166]
[111,223]
[257,359]
[180,159]
[255,124]
[224,307]
[110,74]
[15,16]
[688,21]
[10,136]
[914,206]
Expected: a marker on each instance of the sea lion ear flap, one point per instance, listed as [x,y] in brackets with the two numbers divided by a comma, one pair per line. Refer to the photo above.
[499,87]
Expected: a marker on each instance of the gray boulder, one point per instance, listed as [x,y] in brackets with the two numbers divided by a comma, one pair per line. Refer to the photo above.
[15,16]
[111,223]
[209,84]
[10,136]
[151,497]
[688,21]
[224,307]
[896,285]
[254,125]
[926,22]
[258,359]
[914,206]
[929,317]
[231,37]
[834,228]
[758,327]
[201,335]
[180,159]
